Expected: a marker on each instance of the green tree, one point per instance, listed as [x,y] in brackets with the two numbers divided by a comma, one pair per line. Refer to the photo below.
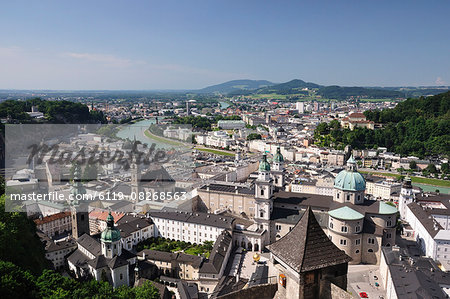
[254,136]
[431,168]
[15,282]
[146,291]
[412,165]
[19,243]
[90,173]
[445,168]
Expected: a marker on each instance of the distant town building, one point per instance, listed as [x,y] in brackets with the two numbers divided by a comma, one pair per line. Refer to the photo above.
[357,120]
[55,224]
[231,124]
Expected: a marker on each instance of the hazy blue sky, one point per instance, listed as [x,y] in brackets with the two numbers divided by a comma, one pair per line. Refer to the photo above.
[191,44]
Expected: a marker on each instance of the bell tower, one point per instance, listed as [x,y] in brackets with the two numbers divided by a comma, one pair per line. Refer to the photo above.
[110,239]
[79,212]
[278,169]
[263,196]
[135,180]
[406,196]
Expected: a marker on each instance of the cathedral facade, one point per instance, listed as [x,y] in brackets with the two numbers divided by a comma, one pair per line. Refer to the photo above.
[356,225]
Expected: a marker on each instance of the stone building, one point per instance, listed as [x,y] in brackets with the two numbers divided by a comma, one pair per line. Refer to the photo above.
[55,224]
[307,262]
[105,259]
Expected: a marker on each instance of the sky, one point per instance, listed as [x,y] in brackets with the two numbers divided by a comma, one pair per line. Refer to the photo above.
[147,45]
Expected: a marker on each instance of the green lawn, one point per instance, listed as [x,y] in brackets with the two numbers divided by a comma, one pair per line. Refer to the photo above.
[270,96]
[414,179]
[162,139]
[213,151]
[161,244]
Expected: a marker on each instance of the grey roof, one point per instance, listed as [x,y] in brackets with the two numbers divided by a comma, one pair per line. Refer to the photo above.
[415,277]
[78,258]
[290,216]
[90,244]
[120,205]
[195,217]
[303,199]
[306,247]
[117,262]
[433,197]
[52,246]
[229,188]
[187,290]
[260,276]
[425,218]
[156,177]
[218,253]
[99,262]
[131,224]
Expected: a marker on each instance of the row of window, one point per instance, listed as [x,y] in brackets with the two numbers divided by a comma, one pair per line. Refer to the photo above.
[173,222]
[343,242]
[348,197]
[344,229]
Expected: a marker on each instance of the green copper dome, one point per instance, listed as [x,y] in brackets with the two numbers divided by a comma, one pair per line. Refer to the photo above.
[350,179]
[278,158]
[264,165]
[110,234]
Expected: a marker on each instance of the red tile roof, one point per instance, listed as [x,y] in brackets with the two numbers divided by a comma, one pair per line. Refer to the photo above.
[51,218]
[102,215]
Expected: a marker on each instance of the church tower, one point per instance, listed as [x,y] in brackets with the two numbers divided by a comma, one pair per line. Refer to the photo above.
[135,180]
[406,196]
[79,212]
[278,169]
[110,239]
[263,195]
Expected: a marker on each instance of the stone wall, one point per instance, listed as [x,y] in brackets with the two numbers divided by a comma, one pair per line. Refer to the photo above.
[265,291]
[329,290]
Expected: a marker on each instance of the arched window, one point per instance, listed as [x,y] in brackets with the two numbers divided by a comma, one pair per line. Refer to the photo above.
[357,251]
[370,250]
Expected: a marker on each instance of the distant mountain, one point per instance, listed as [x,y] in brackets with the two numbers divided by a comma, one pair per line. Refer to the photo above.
[291,87]
[236,85]
[342,93]
[296,86]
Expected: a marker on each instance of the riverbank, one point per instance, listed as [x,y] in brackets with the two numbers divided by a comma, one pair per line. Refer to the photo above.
[214,151]
[414,179]
[150,135]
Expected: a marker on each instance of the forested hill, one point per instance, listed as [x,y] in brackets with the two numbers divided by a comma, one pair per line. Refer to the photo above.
[54,111]
[291,87]
[235,85]
[342,93]
[437,106]
[418,127]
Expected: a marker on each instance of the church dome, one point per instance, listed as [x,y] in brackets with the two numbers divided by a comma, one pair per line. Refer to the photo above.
[110,234]
[350,179]
[263,164]
[278,158]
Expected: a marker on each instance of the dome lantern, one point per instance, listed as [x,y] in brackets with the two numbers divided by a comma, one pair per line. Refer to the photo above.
[278,158]
[263,164]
